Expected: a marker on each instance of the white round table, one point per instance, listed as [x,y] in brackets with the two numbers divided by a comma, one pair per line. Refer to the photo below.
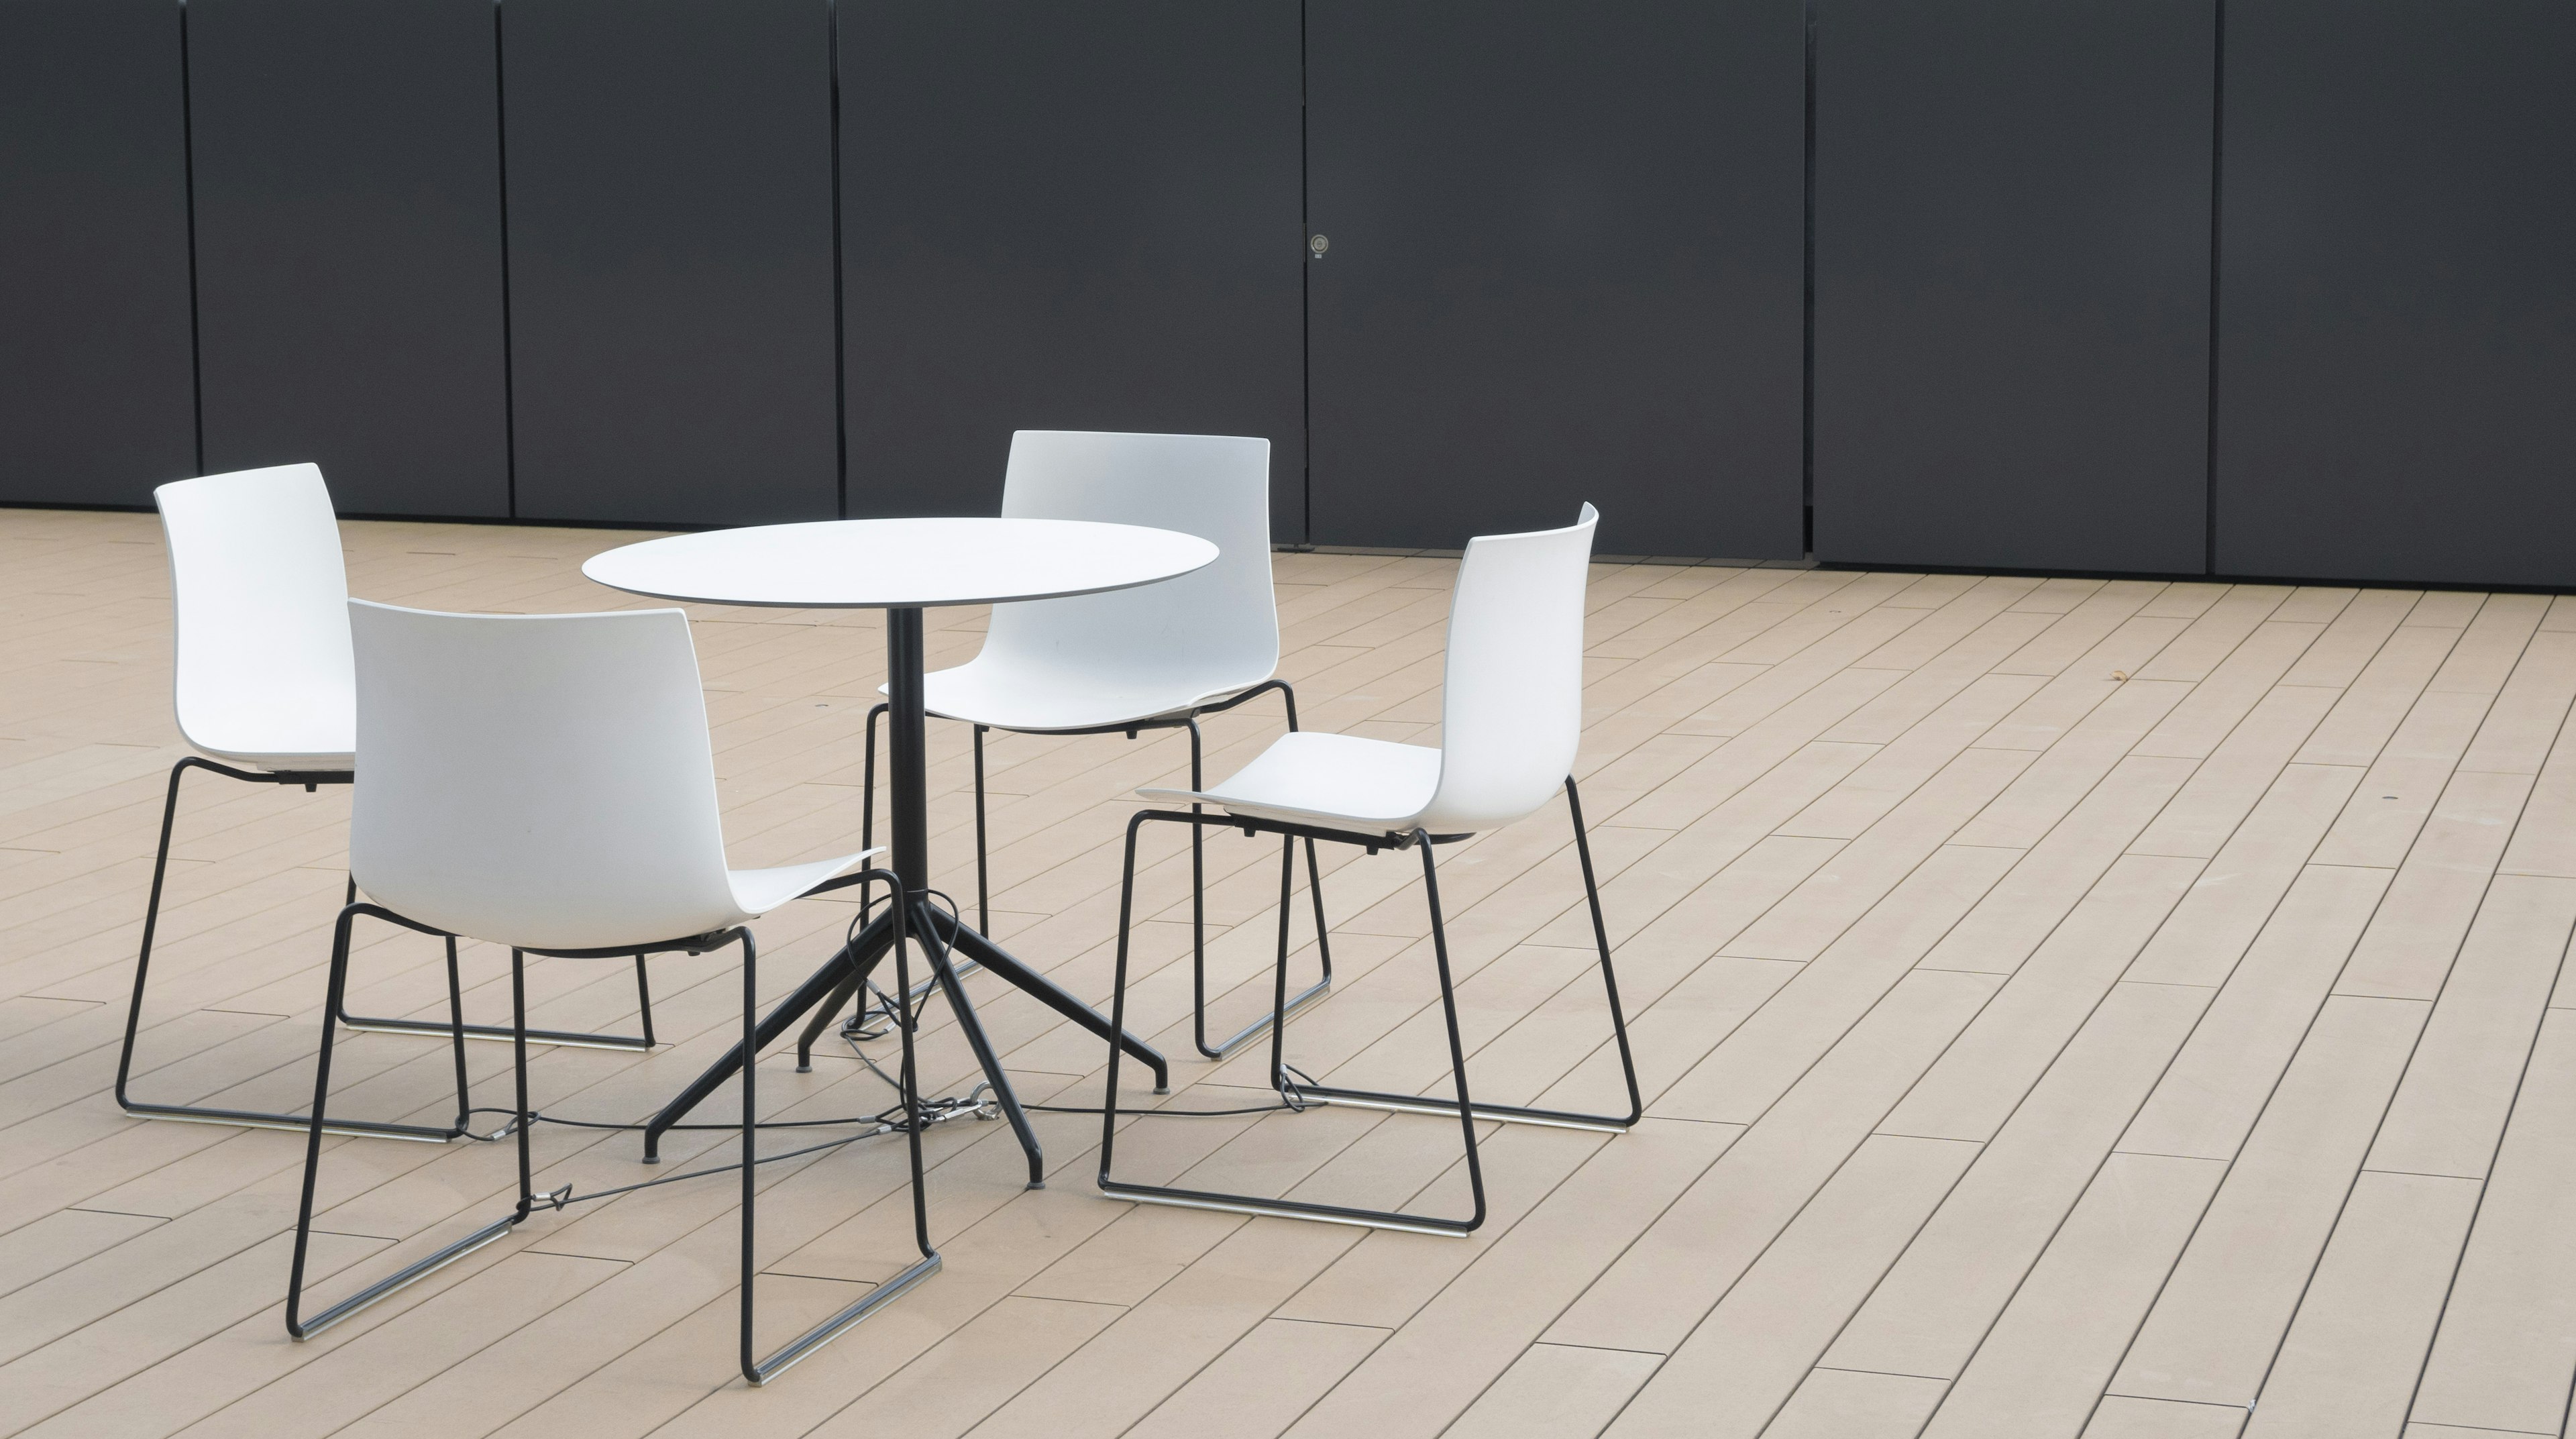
[904,567]
[900,564]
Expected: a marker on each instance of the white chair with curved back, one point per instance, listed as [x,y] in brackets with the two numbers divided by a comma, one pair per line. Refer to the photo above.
[262,689]
[263,693]
[1155,657]
[545,782]
[1511,716]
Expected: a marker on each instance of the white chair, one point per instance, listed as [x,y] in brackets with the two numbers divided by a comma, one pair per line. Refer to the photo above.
[1511,715]
[260,600]
[263,692]
[1153,657]
[545,782]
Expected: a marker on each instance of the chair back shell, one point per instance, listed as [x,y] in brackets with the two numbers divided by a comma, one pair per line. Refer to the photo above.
[260,596]
[1511,704]
[543,781]
[1214,630]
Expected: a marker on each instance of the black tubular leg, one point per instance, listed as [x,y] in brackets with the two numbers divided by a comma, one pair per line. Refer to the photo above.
[983,885]
[1118,1006]
[1601,942]
[297,1326]
[313,1127]
[943,967]
[456,1034]
[1277,1014]
[860,956]
[151,921]
[868,805]
[904,1026]
[1198,909]
[525,1118]
[247,1118]
[764,1370]
[750,1136]
[1457,1046]
[1462,1106]
[1198,902]
[1514,1113]
[1323,931]
[644,1000]
[1279,969]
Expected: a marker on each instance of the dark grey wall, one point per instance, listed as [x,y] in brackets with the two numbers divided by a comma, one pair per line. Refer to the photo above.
[2012,282]
[1066,216]
[734,261]
[2397,357]
[1565,265]
[96,390]
[348,184]
[670,233]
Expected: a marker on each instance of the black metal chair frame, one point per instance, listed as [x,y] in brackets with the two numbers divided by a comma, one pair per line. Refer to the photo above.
[1299,1093]
[258,1119]
[1177,719]
[569,1039]
[755,1369]
[455,1030]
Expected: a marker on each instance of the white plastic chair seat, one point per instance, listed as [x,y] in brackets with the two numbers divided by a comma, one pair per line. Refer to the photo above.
[1013,695]
[758,891]
[1333,781]
[276,730]
[1511,711]
[1129,656]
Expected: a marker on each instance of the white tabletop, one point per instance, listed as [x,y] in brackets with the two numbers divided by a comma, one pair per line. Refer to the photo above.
[900,564]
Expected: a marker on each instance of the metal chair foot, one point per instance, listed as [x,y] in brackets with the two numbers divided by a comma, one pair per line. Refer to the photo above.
[1448,1109]
[832,1328]
[1288,1209]
[1224,1049]
[404,1278]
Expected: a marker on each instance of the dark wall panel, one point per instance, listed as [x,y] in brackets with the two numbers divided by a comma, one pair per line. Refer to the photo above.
[1066,216]
[670,233]
[348,183]
[1565,265]
[2012,282]
[2397,317]
[96,402]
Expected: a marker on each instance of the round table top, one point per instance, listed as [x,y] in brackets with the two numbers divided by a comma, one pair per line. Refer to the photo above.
[900,564]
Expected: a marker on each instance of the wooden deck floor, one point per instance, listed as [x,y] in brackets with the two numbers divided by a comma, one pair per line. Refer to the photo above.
[2066,1008]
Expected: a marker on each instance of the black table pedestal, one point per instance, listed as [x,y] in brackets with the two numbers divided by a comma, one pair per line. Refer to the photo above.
[942,935]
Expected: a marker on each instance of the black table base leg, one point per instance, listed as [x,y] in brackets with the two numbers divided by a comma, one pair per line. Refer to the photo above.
[951,943]
[948,942]
[849,965]
[940,936]
[824,1014]
[998,960]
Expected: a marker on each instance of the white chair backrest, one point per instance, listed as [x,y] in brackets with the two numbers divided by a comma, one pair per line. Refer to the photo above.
[1511,704]
[261,597]
[1218,626]
[543,781]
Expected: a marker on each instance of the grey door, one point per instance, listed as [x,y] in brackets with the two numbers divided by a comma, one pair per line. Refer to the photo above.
[348,184]
[2397,315]
[1563,262]
[1078,217]
[2012,283]
[96,381]
[671,302]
